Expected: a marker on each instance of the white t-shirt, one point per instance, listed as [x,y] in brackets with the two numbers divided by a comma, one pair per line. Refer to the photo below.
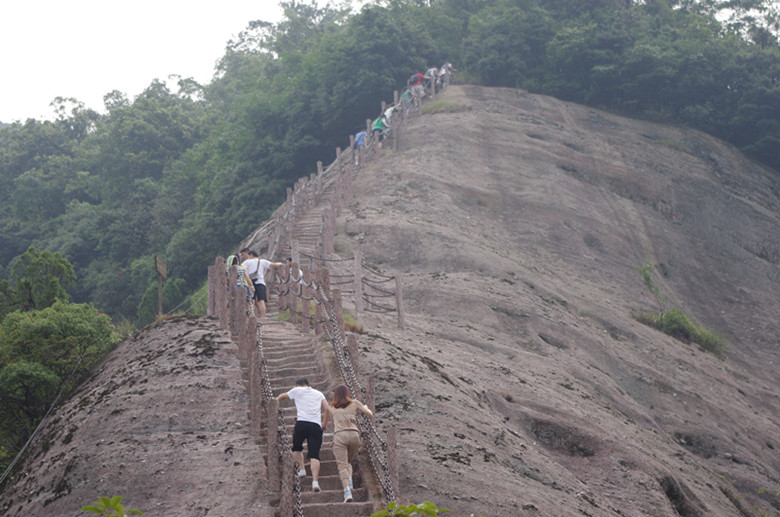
[251,265]
[308,403]
[264,265]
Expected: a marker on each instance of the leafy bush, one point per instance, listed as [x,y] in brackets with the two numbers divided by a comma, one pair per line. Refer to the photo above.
[409,510]
[110,506]
[674,322]
[442,107]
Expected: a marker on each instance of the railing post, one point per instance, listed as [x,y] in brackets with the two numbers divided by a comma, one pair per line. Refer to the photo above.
[255,399]
[272,437]
[338,312]
[322,280]
[358,281]
[286,502]
[392,459]
[211,305]
[352,348]
[305,302]
[395,125]
[319,177]
[371,394]
[399,302]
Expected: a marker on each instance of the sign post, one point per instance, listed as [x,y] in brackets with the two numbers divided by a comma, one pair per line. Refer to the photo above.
[162,274]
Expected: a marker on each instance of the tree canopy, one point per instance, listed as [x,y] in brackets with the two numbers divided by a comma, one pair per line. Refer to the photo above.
[187,170]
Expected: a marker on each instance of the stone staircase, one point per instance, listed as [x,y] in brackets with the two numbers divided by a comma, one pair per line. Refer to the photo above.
[289,356]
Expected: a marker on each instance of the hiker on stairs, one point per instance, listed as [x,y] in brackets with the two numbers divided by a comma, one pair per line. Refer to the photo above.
[311,406]
[257,268]
[346,435]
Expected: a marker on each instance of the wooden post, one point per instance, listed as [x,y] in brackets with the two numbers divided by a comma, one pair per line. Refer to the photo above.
[162,274]
[338,312]
[255,401]
[319,177]
[323,280]
[371,394]
[287,503]
[211,305]
[355,150]
[399,302]
[222,295]
[272,438]
[305,302]
[352,349]
[358,281]
[392,460]
[396,124]
[292,293]
[369,137]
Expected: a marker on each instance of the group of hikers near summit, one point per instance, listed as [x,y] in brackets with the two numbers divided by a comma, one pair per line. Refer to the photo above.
[417,87]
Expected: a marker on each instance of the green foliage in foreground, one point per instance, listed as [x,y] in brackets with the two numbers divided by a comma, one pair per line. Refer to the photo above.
[443,107]
[110,506]
[674,322]
[409,510]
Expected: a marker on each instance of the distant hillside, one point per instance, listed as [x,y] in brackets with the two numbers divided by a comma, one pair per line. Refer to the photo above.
[522,385]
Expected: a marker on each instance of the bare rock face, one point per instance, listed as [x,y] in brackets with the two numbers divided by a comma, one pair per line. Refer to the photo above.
[162,423]
[521,385]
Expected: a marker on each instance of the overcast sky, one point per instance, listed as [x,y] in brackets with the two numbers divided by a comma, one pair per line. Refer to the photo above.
[87,48]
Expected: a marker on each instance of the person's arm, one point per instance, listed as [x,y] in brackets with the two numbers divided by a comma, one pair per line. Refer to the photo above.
[276,264]
[249,281]
[283,396]
[363,409]
[325,413]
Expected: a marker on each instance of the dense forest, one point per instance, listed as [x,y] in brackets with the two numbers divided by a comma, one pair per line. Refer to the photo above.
[87,199]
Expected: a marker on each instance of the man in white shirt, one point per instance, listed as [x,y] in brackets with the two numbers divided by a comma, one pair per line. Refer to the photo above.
[256,268]
[312,408]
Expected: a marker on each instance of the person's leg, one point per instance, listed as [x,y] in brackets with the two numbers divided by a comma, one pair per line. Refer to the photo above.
[257,298]
[297,447]
[298,456]
[353,446]
[342,458]
[262,299]
[314,443]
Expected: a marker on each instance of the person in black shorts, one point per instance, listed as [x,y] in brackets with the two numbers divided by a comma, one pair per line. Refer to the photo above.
[311,418]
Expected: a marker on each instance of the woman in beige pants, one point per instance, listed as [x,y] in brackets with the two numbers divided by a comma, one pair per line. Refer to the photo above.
[346,435]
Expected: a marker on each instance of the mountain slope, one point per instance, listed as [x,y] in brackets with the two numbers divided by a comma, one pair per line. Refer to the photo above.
[521,385]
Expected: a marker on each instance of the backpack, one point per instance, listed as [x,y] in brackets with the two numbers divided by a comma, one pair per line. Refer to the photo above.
[414,79]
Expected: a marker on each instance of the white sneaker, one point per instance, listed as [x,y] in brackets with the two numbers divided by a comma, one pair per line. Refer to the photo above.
[347,495]
[302,473]
[350,484]
[315,486]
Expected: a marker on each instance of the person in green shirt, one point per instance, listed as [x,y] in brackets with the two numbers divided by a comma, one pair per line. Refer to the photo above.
[383,127]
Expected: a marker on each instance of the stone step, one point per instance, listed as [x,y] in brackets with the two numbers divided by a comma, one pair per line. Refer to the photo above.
[353,509]
[359,495]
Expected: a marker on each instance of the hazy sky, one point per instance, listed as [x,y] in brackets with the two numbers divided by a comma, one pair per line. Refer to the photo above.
[87,48]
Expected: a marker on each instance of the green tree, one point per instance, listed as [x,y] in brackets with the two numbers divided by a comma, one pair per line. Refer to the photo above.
[26,391]
[38,279]
[66,338]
